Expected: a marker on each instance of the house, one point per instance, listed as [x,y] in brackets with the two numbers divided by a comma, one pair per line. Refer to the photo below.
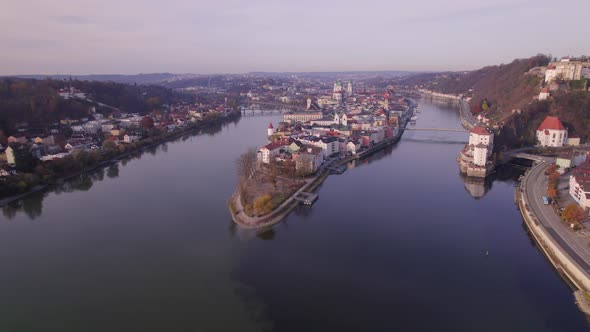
[267,152]
[308,159]
[573,140]
[565,160]
[544,94]
[579,184]
[10,155]
[36,151]
[130,138]
[551,133]
[353,147]
[116,131]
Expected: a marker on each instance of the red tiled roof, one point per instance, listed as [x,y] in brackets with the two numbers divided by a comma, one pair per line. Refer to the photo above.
[551,122]
[270,126]
[479,130]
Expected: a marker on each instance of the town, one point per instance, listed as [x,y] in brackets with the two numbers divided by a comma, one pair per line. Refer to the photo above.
[31,157]
[333,129]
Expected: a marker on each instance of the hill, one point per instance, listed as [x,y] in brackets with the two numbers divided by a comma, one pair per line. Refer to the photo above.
[509,92]
[38,101]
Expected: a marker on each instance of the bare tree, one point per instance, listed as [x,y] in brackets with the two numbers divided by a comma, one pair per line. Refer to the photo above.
[246,165]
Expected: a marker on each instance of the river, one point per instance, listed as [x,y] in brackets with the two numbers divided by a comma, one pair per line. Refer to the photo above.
[397,242]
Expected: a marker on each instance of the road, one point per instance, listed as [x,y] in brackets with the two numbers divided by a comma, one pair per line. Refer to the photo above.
[577,247]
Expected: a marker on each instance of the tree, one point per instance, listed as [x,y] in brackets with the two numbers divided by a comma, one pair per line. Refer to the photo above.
[109,146]
[573,213]
[551,169]
[273,172]
[485,105]
[23,159]
[553,179]
[551,192]
[263,205]
[153,102]
[146,122]
[246,164]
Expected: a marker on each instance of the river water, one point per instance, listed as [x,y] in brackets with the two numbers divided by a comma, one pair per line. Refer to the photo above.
[398,242]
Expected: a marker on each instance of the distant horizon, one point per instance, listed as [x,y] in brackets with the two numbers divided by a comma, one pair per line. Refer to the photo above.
[209,37]
[277,72]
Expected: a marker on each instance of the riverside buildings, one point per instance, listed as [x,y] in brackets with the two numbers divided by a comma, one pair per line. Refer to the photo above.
[357,123]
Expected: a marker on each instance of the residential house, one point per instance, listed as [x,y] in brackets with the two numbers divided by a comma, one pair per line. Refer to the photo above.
[579,184]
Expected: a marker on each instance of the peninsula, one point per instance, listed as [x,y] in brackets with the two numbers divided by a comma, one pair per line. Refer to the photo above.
[307,146]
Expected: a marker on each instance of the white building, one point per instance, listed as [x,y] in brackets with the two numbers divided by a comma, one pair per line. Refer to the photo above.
[566,69]
[551,133]
[10,155]
[303,117]
[269,151]
[481,143]
[579,184]
[544,94]
[340,119]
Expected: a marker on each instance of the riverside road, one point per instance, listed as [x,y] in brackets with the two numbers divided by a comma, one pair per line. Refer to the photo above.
[577,247]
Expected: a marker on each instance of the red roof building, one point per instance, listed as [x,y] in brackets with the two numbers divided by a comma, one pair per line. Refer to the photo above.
[479,130]
[551,123]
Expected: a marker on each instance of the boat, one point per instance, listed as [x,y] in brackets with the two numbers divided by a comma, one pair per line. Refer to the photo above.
[414,118]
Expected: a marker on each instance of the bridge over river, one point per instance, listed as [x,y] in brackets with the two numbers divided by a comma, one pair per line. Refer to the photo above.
[454,130]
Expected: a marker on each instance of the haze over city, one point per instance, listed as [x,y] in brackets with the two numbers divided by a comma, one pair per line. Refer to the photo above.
[100,37]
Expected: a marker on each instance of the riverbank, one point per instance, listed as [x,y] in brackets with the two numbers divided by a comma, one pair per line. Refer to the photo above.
[105,163]
[548,242]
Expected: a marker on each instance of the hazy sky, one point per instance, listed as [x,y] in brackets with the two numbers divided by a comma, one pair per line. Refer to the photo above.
[231,36]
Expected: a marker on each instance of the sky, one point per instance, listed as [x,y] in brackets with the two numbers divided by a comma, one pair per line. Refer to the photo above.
[72,37]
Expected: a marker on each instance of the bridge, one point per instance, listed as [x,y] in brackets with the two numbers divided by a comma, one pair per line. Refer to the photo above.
[261,112]
[454,130]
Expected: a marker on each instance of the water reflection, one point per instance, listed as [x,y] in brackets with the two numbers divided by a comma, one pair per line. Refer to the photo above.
[32,205]
[478,187]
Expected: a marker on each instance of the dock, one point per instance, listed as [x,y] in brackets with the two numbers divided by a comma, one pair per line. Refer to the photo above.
[306,198]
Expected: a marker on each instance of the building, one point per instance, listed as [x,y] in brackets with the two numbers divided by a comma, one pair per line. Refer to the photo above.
[349,90]
[308,159]
[270,130]
[303,117]
[10,155]
[551,133]
[269,151]
[579,184]
[340,119]
[573,141]
[475,159]
[566,69]
[544,94]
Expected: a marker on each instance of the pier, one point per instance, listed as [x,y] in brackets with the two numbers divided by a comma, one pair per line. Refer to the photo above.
[306,198]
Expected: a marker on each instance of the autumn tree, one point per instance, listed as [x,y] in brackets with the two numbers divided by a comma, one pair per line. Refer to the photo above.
[263,205]
[146,122]
[109,146]
[551,192]
[573,213]
[551,169]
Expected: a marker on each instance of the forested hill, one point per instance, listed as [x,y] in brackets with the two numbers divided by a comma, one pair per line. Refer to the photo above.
[510,92]
[38,101]
[506,87]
